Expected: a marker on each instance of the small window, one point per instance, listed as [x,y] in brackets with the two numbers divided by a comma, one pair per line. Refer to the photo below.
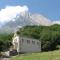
[33,42]
[38,43]
[22,40]
[28,41]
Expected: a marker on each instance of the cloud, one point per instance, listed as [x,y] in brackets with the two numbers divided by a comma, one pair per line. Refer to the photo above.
[10,12]
[56,22]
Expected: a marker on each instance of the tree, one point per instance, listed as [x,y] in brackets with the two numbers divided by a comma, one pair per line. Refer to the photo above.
[48,35]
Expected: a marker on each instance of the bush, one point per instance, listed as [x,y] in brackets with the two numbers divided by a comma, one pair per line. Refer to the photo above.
[5,41]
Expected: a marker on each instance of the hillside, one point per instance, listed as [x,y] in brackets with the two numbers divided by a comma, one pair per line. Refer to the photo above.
[28,19]
[48,35]
[34,29]
[53,55]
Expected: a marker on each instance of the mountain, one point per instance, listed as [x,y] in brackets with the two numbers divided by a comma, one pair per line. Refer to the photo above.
[24,19]
[28,19]
[38,19]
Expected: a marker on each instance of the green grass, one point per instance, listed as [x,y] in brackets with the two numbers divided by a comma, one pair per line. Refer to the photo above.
[54,55]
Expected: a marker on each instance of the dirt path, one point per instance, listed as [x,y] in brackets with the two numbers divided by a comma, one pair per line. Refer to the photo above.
[4,59]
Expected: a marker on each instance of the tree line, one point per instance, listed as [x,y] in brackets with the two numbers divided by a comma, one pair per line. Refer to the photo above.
[48,35]
[5,41]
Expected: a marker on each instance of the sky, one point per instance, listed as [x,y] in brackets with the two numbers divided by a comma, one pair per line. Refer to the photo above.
[48,8]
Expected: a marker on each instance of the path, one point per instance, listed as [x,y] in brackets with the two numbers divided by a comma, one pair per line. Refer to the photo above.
[4,59]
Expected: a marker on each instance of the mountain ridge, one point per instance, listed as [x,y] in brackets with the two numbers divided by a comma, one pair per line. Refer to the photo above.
[27,18]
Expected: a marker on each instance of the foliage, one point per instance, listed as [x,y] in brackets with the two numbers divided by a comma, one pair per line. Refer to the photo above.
[48,35]
[5,41]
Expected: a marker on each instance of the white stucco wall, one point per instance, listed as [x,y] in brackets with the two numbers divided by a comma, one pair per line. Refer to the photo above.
[16,43]
[25,47]
[30,47]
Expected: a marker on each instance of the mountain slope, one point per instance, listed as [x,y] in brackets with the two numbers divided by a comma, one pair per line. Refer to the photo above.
[28,19]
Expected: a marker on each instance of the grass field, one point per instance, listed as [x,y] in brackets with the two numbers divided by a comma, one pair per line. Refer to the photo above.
[53,55]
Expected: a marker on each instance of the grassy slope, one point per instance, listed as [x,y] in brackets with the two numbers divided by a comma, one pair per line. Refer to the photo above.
[54,55]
